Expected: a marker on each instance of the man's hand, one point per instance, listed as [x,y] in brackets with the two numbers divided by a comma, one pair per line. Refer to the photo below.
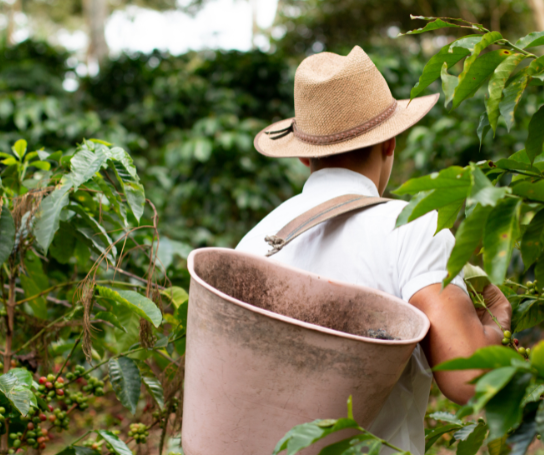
[457,330]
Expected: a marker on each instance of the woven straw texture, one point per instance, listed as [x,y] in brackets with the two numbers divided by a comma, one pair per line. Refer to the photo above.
[334,94]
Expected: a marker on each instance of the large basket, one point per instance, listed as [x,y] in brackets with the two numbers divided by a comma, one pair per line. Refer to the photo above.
[270,346]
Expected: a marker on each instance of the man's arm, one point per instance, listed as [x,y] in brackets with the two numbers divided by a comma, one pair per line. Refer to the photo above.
[458,330]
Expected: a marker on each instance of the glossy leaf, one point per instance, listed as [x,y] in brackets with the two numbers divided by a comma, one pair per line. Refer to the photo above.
[535,139]
[490,384]
[476,69]
[482,191]
[531,242]
[118,446]
[111,318]
[404,215]
[504,411]
[449,83]
[533,393]
[531,40]
[471,443]
[19,148]
[350,445]
[177,295]
[434,25]
[85,163]
[483,128]
[467,238]
[449,55]
[447,215]
[522,437]
[49,214]
[15,386]
[496,86]
[152,384]
[7,233]
[501,231]
[449,178]
[527,314]
[436,433]
[445,417]
[512,95]
[137,303]
[125,381]
[490,357]
[306,434]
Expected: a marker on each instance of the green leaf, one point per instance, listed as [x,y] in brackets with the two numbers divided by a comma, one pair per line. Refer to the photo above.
[483,128]
[49,214]
[471,443]
[77,450]
[467,239]
[347,446]
[85,164]
[405,213]
[15,386]
[111,318]
[450,55]
[449,178]
[152,384]
[436,433]
[539,419]
[498,447]
[137,303]
[19,148]
[447,215]
[531,40]
[522,437]
[537,358]
[43,165]
[482,191]
[434,25]
[530,191]
[176,295]
[34,282]
[125,381]
[501,232]
[535,139]
[10,161]
[476,71]
[490,357]
[118,446]
[490,384]
[533,394]
[306,434]
[96,227]
[528,314]
[504,411]
[7,234]
[449,84]
[496,86]
[512,95]
[531,242]
[445,417]
[113,198]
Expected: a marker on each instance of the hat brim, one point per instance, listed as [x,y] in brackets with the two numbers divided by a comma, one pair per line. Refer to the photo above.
[406,115]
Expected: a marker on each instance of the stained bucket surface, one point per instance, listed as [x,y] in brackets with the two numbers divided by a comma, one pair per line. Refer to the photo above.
[270,347]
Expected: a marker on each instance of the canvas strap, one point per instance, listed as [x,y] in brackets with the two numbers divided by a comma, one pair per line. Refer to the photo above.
[323,212]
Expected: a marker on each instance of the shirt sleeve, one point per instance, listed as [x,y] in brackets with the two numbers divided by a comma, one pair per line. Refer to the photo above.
[423,256]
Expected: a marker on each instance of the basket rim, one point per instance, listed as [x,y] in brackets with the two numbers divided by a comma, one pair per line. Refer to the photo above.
[307,325]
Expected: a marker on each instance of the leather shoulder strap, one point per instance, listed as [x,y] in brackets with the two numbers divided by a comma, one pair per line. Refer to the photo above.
[323,212]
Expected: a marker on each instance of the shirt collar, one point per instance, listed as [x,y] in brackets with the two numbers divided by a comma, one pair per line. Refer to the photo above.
[338,181]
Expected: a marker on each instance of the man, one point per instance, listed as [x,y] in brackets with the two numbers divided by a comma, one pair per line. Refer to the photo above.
[344,131]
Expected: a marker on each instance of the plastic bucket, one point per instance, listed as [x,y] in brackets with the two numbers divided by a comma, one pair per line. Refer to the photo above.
[270,346]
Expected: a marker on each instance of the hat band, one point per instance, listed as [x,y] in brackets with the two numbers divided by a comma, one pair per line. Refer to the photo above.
[337,137]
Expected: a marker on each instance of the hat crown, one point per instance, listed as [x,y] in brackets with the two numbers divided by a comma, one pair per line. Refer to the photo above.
[335,93]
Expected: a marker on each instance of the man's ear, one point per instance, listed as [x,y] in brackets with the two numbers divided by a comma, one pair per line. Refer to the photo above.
[305,161]
[388,147]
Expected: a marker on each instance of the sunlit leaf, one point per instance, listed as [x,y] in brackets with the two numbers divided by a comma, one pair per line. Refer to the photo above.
[531,40]
[449,178]
[434,25]
[489,357]
[447,215]
[449,83]
[19,148]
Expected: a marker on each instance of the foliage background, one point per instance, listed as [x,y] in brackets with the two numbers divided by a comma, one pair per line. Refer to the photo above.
[189,120]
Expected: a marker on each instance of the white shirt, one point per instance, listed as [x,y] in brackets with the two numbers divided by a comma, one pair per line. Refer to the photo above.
[365,248]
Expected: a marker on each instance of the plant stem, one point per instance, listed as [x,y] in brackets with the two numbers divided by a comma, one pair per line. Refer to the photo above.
[44,329]
[69,355]
[163,434]
[82,437]
[383,441]
[482,302]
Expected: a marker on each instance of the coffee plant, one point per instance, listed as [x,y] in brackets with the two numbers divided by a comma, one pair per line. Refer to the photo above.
[87,311]
[498,209]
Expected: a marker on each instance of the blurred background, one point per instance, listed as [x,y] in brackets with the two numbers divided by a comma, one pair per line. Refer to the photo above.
[185,85]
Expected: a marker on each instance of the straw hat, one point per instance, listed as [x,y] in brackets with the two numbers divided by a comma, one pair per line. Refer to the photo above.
[341,104]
